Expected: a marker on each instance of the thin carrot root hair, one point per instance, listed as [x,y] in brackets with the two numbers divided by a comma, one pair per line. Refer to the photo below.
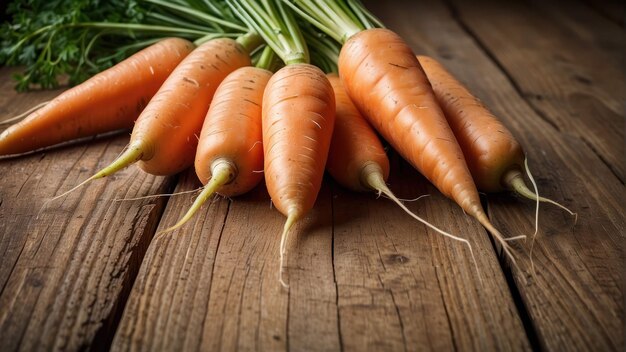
[222,173]
[292,217]
[372,177]
[515,181]
[532,241]
[158,195]
[482,218]
[24,114]
[405,199]
[524,191]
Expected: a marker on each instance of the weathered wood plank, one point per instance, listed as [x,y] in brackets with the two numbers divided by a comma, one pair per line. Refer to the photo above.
[576,299]
[405,287]
[234,299]
[370,278]
[166,308]
[568,64]
[66,269]
[313,312]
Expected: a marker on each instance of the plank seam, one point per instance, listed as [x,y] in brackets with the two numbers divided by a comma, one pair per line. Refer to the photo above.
[332,258]
[217,248]
[524,96]
[603,160]
[106,333]
[454,13]
[530,329]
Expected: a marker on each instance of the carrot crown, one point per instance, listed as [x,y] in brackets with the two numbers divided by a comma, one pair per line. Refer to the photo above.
[340,19]
[276,25]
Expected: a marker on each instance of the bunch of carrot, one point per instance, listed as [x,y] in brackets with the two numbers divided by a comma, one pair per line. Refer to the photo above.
[293,123]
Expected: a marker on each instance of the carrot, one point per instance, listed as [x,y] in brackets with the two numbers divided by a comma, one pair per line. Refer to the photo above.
[387,84]
[230,151]
[357,160]
[298,115]
[164,138]
[298,120]
[110,100]
[390,88]
[494,157]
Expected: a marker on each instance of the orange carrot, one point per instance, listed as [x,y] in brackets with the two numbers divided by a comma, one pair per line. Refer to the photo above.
[164,138]
[110,100]
[298,121]
[229,157]
[355,146]
[357,160]
[387,84]
[298,115]
[494,157]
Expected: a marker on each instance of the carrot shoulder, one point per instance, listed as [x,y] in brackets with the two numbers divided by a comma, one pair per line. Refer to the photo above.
[110,100]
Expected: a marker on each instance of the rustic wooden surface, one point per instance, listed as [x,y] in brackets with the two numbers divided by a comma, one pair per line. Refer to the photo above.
[86,272]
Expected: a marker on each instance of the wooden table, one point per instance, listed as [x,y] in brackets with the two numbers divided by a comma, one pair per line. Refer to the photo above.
[85,273]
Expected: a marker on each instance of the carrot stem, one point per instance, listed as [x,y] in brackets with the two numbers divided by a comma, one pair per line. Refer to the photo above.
[198,14]
[250,41]
[268,60]
[277,27]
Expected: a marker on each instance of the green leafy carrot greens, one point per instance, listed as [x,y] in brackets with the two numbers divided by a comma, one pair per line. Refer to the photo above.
[56,38]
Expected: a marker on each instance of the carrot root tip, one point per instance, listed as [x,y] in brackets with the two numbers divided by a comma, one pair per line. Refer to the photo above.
[514,181]
[158,195]
[291,219]
[222,172]
[482,218]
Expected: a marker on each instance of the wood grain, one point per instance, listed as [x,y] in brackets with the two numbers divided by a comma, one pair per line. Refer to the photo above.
[67,267]
[363,275]
[166,308]
[230,298]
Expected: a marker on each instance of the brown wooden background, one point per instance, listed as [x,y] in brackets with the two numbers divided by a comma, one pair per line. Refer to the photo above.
[85,272]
